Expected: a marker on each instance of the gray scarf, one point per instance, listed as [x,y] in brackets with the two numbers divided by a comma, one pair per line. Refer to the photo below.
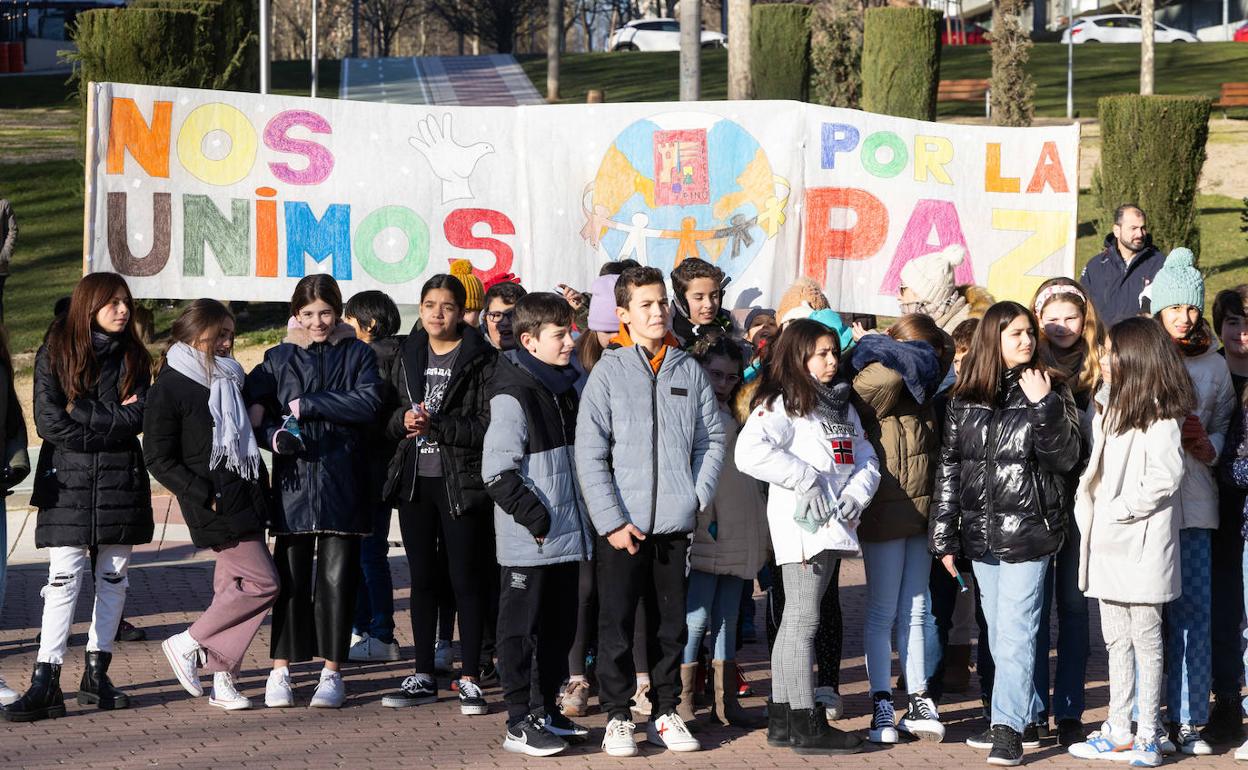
[832,408]
[233,441]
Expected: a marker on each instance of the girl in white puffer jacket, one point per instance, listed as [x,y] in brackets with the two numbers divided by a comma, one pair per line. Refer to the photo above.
[805,440]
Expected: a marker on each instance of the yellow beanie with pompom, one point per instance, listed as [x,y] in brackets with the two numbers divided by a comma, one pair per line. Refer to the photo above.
[462,269]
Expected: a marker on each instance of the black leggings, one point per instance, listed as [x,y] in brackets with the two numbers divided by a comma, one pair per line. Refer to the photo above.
[469,542]
[313,614]
[827,638]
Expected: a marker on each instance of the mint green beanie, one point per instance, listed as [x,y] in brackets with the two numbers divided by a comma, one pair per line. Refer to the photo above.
[1178,282]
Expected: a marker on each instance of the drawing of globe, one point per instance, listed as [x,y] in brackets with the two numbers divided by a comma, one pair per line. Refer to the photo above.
[685,184]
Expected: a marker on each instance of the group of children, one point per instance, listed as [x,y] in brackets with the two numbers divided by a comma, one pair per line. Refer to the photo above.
[643,459]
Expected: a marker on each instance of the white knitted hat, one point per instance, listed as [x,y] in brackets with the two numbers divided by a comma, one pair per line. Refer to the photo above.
[931,275]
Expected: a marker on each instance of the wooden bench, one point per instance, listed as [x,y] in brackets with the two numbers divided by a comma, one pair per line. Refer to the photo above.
[970,90]
[1233,95]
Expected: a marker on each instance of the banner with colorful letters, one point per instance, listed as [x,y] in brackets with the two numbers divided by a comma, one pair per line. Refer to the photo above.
[230,195]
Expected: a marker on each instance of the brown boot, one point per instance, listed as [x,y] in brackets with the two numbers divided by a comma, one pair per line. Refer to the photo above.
[957,668]
[684,710]
[726,708]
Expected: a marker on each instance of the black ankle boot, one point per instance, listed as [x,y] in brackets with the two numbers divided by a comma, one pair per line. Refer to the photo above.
[96,688]
[777,724]
[44,699]
[810,733]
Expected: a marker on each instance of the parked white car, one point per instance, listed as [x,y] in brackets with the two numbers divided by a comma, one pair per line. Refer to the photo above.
[1119,28]
[658,35]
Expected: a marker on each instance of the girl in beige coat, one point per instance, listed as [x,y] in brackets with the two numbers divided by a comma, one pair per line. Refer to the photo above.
[1129,527]
[730,546]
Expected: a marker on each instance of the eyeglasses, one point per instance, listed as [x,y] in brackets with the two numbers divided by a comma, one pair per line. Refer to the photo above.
[727,379]
[497,316]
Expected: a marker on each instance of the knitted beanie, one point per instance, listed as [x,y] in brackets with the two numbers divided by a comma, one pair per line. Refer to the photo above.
[462,269]
[931,275]
[602,317]
[804,291]
[836,324]
[1178,282]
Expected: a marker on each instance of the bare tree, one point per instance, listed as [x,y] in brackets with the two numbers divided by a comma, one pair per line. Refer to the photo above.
[386,18]
[1147,27]
[690,50]
[739,84]
[554,42]
[1011,88]
[495,22]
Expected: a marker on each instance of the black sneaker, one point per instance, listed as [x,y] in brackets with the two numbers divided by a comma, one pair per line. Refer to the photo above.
[1032,734]
[471,701]
[414,691]
[1070,732]
[981,740]
[128,632]
[559,725]
[1007,747]
[529,737]
[489,674]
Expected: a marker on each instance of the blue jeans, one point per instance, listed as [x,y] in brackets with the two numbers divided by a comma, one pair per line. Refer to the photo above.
[897,575]
[1062,581]
[1013,596]
[712,603]
[374,600]
[1189,661]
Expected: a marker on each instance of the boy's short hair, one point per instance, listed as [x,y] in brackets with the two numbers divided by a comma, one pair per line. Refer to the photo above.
[1229,302]
[633,278]
[535,310]
[506,291]
[617,267]
[963,333]
[375,312]
[690,270]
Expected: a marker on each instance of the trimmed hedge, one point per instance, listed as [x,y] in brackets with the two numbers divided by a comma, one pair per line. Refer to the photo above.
[148,46]
[1152,150]
[901,62]
[780,51]
[230,26]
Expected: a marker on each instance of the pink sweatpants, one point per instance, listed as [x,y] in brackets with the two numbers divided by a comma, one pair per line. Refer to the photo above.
[244,587]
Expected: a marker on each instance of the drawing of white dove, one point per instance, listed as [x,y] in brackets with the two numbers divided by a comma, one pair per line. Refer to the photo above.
[451,162]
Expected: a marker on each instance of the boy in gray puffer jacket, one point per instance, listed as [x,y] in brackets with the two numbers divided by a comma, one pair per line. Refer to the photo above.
[649,446]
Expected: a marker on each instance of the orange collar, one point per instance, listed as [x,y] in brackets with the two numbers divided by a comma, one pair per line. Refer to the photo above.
[624,340]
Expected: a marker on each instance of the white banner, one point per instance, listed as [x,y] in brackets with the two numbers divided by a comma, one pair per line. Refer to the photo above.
[235,195]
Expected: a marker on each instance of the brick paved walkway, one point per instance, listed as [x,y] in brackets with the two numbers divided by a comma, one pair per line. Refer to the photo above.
[166,728]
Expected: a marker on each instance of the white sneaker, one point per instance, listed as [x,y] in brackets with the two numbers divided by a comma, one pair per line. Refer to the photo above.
[357,638]
[1190,742]
[225,695]
[7,694]
[1241,753]
[883,720]
[443,660]
[830,699]
[618,741]
[922,720]
[277,692]
[669,730]
[330,691]
[372,650]
[183,654]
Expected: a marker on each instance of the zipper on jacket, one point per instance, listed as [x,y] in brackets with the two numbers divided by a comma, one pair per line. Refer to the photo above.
[989,473]
[654,438]
[1044,513]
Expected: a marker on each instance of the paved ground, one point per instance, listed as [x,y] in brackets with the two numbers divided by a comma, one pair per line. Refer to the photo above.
[171,584]
[493,80]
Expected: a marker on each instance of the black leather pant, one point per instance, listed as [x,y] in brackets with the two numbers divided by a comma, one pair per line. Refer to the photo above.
[313,614]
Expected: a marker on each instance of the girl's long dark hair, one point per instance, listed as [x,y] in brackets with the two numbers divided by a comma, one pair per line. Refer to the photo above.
[982,368]
[70,349]
[1150,382]
[786,375]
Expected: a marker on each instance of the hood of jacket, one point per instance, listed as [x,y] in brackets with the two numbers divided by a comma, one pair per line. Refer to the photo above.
[915,361]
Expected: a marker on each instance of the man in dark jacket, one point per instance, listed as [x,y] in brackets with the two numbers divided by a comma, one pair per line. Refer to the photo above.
[1124,269]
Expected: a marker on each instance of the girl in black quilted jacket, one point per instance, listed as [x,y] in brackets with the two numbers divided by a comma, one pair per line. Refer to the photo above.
[1011,439]
[91,488]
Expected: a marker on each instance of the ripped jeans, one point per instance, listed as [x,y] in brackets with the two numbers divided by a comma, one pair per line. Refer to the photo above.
[67,567]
